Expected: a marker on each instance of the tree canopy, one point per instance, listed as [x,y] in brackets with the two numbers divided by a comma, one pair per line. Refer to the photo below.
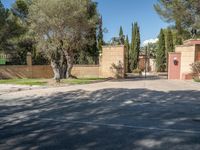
[62,27]
[185,14]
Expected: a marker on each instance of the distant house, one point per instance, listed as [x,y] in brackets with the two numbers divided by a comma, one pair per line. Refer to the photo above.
[148,62]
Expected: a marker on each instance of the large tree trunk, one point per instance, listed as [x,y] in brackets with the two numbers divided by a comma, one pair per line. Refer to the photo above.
[70,60]
[56,71]
[63,69]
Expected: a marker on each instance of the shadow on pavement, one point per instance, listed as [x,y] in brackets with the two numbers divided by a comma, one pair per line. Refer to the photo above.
[137,119]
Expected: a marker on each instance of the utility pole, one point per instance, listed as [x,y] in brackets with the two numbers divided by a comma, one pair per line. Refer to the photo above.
[146,62]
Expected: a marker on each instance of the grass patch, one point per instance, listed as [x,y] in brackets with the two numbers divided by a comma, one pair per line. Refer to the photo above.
[82,80]
[197,80]
[42,82]
[24,82]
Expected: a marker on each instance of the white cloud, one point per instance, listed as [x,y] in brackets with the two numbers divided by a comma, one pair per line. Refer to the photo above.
[150,41]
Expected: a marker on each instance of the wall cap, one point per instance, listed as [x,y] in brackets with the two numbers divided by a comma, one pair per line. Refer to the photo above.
[186,45]
[174,52]
[110,46]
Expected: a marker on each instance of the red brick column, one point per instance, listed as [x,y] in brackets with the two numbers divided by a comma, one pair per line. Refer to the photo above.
[174,65]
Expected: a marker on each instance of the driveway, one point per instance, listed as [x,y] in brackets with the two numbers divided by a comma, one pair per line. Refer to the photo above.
[113,115]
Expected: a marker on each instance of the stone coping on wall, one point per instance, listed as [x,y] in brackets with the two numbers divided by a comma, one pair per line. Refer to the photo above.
[112,46]
[47,65]
[86,65]
[191,41]
[189,45]
[174,52]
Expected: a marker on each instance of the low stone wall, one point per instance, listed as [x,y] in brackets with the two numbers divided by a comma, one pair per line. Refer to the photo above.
[45,71]
[112,64]
[86,71]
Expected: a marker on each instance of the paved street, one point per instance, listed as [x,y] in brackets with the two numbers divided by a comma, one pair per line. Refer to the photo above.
[114,115]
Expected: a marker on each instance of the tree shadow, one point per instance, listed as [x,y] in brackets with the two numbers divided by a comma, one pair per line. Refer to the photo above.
[125,119]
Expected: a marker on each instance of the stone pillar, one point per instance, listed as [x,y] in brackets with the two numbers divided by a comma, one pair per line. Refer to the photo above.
[113,62]
[29,59]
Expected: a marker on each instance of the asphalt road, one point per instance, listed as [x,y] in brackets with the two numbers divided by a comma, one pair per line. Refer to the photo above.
[113,115]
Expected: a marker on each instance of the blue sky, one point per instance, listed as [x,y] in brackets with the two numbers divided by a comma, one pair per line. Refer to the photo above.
[124,12]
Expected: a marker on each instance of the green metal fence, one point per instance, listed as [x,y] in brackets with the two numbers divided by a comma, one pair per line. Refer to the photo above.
[3,59]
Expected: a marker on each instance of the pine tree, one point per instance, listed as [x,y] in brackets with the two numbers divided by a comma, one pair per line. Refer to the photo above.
[161,53]
[135,46]
[3,16]
[171,10]
[121,35]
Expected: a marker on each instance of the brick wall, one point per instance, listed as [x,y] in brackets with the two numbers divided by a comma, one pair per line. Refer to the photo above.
[45,71]
[86,70]
[110,55]
[187,58]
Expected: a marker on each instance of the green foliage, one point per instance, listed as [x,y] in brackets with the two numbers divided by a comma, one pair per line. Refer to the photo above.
[135,46]
[3,16]
[177,38]
[16,40]
[117,69]
[62,28]
[90,53]
[82,80]
[151,49]
[20,8]
[121,35]
[161,53]
[169,41]
[127,47]
[185,15]
[100,40]
[139,71]
[24,81]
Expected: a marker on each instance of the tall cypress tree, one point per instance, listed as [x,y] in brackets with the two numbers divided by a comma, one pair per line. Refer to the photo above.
[161,53]
[100,41]
[169,41]
[127,47]
[169,44]
[121,35]
[135,46]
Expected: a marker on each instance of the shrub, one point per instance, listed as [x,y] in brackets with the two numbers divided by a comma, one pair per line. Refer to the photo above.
[139,71]
[196,70]
[117,70]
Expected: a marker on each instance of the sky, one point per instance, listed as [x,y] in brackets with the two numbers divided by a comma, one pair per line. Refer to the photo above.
[123,13]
